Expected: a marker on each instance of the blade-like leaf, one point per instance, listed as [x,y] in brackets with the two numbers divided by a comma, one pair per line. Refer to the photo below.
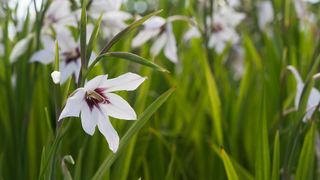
[263,154]
[137,59]
[132,26]
[231,172]
[93,38]
[142,120]
[306,159]
[276,158]
[83,36]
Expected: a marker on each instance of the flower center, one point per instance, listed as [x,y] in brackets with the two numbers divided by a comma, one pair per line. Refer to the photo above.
[72,56]
[217,27]
[96,97]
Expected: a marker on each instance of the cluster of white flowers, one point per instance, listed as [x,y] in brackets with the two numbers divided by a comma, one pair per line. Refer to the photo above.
[221,26]
[160,29]
[94,102]
[306,17]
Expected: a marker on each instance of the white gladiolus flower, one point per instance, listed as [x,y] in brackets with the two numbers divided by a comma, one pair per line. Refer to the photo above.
[265,14]
[20,48]
[307,18]
[69,52]
[225,20]
[56,76]
[59,15]
[98,7]
[95,102]
[193,32]
[160,29]
[113,20]
[313,99]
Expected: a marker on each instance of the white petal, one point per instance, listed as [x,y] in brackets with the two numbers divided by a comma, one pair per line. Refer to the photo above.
[20,48]
[47,42]
[73,105]
[154,22]
[193,32]
[143,36]
[95,82]
[43,56]
[89,118]
[170,49]
[296,74]
[159,44]
[67,70]
[111,135]
[265,14]
[56,76]
[118,108]
[126,82]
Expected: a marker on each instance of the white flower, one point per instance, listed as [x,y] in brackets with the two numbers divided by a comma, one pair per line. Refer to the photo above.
[265,14]
[59,15]
[56,76]
[225,20]
[45,55]
[20,48]
[113,20]
[157,27]
[69,53]
[313,99]
[95,102]
[306,17]
[193,32]
[98,7]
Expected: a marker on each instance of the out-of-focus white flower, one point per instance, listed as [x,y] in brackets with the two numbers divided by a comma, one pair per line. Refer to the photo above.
[193,32]
[56,76]
[313,99]
[222,27]
[98,7]
[306,17]
[225,20]
[113,20]
[59,15]
[160,29]
[45,55]
[265,14]
[69,52]
[20,48]
[234,3]
[95,102]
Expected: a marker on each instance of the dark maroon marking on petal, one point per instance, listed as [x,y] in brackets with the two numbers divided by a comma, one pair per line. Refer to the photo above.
[95,98]
[217,27]
[72,56]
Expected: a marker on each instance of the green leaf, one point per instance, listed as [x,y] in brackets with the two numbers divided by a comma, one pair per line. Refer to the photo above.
[65,171]
[263,154]
[83,36]
[231,172]
[135,58]
[142,120]
[215,102]
[252,52]
[241,171]
[93,38]
[128,29]
[306,159]
[276,158]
